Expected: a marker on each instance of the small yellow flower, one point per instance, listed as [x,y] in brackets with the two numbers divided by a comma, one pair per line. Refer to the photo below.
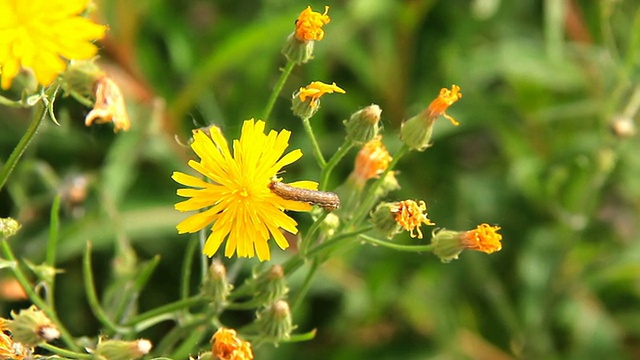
[242,208]
[448,244]
[409,215]
[372,160]
[228,346]
[315,90]
[42,35]
[445,99]
[483,238]
[309,25]
[109,105]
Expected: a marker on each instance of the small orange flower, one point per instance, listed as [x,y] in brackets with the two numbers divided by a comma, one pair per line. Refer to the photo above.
[409,215]
[309,24]
[228,346]
[483,238]
[315,90]
[109,105]
[445,99]
[372,160]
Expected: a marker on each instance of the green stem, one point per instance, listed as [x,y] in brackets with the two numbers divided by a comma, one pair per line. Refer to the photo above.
[367,204]
[307,239]
[92,296]
[276,91]
[24,142]
[316,147]
[390,245]
[168,308]
[306,285]
[335,159]
[186,268]
[64,352]
[35,299]
[52,245]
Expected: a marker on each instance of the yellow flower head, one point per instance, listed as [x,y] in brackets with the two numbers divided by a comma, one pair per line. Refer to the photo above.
[483,238]
[315,90]
[109,105]
[445,99]
[309,24]
[228,346]
[42,35]
[240,204]
[372,160]
[409,215]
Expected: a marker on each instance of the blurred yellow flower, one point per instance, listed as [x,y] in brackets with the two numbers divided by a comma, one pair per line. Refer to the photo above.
[309,24]
[409,215]
[242,208]
[42,35]
[228,346]
[372,160]
[445,99]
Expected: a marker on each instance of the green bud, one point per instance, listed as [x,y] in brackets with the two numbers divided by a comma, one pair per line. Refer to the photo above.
[364,124]
[416,132]
[298,51]
[122,350]
[81,76]
[275,321]
[383,220]
[31,327]
[446,244]
[271,285]
[216,286]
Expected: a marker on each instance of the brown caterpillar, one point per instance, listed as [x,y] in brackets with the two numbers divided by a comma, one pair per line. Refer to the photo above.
[325,199]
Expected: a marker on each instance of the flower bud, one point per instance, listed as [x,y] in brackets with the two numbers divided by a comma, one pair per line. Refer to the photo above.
[31,327]
[216,286]
[372,160]
[364,124]
[384,221]
[275,321]
[271,285]
[122,350]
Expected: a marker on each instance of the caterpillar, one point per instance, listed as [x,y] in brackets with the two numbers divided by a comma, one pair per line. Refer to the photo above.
[325,199]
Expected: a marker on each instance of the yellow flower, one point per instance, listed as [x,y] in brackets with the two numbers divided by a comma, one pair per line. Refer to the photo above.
[445,99]
[306,101]
[242,208]
[372,160]
[109,105]
[409,215]
[8,349]
[448,244]
[42,35]
[483,238]
[316,89]
[228,346]
[309,24]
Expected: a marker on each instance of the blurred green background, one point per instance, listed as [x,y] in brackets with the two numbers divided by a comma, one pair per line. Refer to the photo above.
[546,149]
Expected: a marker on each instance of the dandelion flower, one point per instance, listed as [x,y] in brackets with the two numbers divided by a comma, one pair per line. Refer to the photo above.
[42,35]
[238,200]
